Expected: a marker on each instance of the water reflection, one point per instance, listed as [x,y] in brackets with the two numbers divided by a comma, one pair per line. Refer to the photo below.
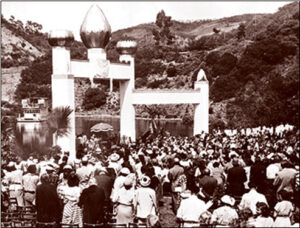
[35,137]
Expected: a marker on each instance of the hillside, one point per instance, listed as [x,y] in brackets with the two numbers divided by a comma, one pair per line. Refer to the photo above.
[251,61]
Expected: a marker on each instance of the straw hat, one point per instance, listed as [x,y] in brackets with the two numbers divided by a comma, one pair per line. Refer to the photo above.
[114,157]
[145,181]
[228,200]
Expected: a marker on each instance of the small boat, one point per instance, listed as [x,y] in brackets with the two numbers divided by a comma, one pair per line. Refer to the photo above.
[34,109]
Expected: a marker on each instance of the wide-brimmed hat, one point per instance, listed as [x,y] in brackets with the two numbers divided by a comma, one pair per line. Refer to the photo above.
[114,157]
[67,167]
[145,181]
[228,200]
[125,171]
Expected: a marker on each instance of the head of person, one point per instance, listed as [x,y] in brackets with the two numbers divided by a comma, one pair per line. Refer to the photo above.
[245,214]
[67,171]
[286,195]
[11,167]
[262,209]
[128,183]
[206,172]
[31,169]
[84,161]
[45,178]
[73,180]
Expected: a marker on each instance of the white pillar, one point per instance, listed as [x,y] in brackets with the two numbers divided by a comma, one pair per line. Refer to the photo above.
[201,115]
[63,94]
[127,111]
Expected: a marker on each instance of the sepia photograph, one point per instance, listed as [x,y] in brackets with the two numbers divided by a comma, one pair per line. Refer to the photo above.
[150,114]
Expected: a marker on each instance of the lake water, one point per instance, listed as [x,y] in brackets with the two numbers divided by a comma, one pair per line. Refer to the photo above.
[34,137]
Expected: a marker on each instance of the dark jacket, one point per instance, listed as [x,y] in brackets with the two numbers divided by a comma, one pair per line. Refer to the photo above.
[105,182]
[209,185]
[92,201]
[258,175]
[235,180]
[47,203]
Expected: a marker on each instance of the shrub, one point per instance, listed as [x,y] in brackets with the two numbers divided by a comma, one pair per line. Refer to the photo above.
[171,71]
[93,98]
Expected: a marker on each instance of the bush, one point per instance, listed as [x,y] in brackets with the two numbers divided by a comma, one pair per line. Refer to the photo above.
[93,98]
[171,71]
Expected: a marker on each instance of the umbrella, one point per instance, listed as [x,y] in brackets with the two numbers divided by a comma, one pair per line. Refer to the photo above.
[102,127]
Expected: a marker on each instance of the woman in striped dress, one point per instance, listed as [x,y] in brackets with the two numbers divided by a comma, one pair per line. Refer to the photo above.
[72,213]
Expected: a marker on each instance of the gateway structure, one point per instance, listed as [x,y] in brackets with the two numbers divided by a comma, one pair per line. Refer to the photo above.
[95,34]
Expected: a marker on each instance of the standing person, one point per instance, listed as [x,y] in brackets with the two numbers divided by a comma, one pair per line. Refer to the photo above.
[47,201]
[145,200]
[125,202]
[14,178]
[71,193]
[29,182]
[285,179]
[92,201]
[175,172]
[235,179]
[283,210]
[250,199]
[191,207]
[258,174]
[225,215]
[208,185]
[84,173]
[119,181]
[263,219]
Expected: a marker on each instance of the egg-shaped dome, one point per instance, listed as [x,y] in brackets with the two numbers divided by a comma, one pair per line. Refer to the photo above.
[126,47]
[61,38]
[95,30]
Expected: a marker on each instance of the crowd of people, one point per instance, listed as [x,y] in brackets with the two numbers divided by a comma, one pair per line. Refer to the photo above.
[246,178]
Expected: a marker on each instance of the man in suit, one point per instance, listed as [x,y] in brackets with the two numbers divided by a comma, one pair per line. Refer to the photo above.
[47,201]
[92,201]
[235,179]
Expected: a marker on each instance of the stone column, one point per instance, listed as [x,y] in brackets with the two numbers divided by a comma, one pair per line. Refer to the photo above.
[201,115]
[63,85]
[127,111]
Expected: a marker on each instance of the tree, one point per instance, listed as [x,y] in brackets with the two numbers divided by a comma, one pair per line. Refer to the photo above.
[163,35]
[58,122]
[94,98]
[241,31]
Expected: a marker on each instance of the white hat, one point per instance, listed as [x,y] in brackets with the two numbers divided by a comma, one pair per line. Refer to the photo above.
[114,157]
[233,153]
[67,167]
[145,181]
[84,159]
[125,171]
[228,200]
[11,164]
[184,163]
[203,153]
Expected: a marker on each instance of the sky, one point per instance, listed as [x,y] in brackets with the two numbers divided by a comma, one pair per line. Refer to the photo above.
[69,15]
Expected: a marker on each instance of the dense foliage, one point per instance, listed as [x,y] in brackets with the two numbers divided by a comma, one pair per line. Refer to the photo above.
[94,98]
[36,79]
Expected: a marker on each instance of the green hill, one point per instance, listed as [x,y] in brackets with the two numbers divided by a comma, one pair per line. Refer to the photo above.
[251,61]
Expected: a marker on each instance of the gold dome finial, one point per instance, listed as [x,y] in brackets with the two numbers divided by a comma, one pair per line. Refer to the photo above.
[95,30]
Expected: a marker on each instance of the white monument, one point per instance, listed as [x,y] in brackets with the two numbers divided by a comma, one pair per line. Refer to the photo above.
[95,34]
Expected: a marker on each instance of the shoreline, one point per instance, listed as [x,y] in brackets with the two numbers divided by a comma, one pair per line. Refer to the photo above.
[81,115]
